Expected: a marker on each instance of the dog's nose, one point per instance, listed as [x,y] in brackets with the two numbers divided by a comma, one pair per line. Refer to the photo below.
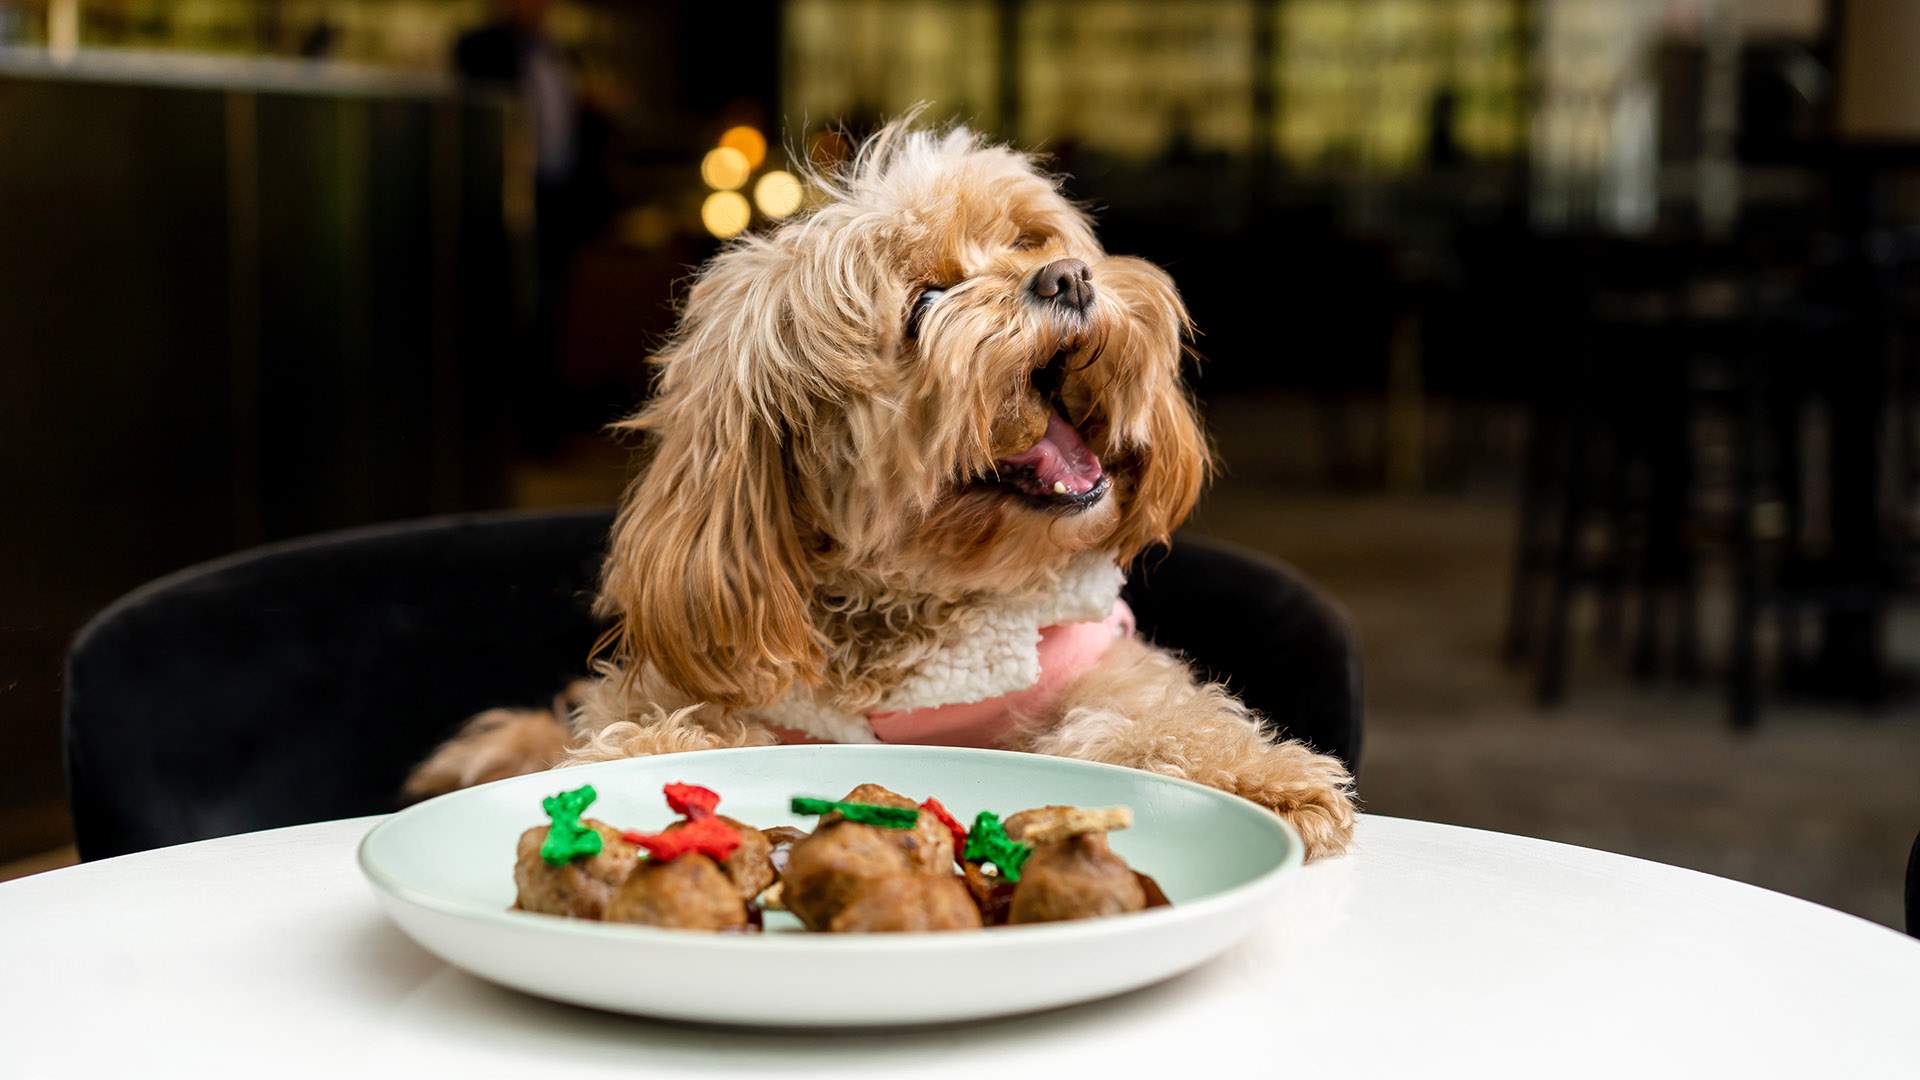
[1066,282]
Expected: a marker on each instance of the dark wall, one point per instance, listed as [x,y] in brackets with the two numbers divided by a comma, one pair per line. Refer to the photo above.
[227,316]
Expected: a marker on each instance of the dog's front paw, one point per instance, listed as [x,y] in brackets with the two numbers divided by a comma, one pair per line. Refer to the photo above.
[494,745]
[1314,792]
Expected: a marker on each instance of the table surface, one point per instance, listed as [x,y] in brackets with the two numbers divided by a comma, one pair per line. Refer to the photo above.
[1428,950]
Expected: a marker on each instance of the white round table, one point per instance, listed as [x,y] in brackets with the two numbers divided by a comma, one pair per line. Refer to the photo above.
[1428,951]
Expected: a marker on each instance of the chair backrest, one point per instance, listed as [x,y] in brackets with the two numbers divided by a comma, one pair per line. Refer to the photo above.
[300,682]
[1913,889]
[1285,648]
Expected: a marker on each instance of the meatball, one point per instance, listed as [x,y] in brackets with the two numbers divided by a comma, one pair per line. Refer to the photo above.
[784,834]
[751,864]
[1152,891]
[1076,878]
[908,902]
[825,870]
[581,888]
[928,844]
[691,892]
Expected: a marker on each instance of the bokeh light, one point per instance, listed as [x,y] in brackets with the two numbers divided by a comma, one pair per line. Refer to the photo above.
[646,227]
[751,144]
[726,213]
[777,194]
[725,169]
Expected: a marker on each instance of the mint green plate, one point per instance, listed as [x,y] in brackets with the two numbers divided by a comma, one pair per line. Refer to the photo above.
[443,870]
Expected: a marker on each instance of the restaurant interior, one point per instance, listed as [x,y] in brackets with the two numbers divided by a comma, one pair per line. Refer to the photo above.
[1567,346]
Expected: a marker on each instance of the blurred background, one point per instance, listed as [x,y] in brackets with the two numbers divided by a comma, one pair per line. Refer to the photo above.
[1568,343]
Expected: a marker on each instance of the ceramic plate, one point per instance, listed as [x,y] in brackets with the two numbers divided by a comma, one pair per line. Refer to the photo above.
[444,872]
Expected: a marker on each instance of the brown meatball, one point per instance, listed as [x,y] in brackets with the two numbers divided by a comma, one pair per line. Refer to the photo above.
[928,844]
[580,888]
[690,893]
[784,834]
[751,864]
[878,795]
[782,837]
[907,902]
[1152,891]
[826,869]
[1076,878]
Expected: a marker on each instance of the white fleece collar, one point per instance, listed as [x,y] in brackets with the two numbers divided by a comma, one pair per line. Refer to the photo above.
[996,652]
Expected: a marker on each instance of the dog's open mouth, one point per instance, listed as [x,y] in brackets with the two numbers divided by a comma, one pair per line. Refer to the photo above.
[1059,472]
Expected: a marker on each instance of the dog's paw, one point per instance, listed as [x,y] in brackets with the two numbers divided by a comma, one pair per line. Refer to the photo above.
[1314,792]
[494,745]
[1326,825]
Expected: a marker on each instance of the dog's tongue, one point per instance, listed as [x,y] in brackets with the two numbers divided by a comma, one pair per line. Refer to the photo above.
[1061,463]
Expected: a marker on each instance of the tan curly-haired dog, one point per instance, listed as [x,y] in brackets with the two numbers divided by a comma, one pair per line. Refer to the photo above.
[901,447]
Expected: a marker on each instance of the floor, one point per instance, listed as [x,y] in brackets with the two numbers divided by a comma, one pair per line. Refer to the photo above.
[1822,803]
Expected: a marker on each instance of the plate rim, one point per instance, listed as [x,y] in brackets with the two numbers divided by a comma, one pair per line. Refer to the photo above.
[1002,937]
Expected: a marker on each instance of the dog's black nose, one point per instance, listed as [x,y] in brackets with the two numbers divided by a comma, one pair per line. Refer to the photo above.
[1067,282]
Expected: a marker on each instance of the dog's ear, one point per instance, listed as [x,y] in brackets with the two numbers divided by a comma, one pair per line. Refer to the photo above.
[1173,466]
[705,570]
[1154,419]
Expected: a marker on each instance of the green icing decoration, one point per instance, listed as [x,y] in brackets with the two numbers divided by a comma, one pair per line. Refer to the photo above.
[887,817]
[988,842]
[567,839]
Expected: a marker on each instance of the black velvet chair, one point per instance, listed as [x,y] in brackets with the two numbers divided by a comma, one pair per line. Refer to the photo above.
[299,682]
[1913,889]
[1261,628]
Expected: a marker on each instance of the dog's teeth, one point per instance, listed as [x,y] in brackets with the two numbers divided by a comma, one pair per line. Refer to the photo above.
[1059,487]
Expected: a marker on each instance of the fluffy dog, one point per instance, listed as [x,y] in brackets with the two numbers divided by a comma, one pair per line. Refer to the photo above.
[900,448]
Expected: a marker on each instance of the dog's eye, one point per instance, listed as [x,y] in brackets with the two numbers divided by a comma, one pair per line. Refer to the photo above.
[920,305]
[1027,241]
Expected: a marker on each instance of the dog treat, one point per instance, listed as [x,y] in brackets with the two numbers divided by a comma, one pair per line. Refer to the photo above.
[566,839]
[691,800]
[826,871]
[988,842]
[929,846]
[1072,873]
[738,848]
[1050,823]
[1151,889]
[874,863]
[780,840]
[992,894]
[1076,878]
[783,835]
[689,893]
[943,816]
[709,836]
[890,817]
[751,864]
[580,887]
[907,902]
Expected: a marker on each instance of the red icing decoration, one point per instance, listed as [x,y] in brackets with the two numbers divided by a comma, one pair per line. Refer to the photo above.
[959,831]
[691,800]
[707,835]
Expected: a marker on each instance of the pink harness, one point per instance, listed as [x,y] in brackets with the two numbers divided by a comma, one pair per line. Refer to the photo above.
[1067,651]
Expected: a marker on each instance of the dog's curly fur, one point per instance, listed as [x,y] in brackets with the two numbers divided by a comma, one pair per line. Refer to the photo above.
[814,518]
